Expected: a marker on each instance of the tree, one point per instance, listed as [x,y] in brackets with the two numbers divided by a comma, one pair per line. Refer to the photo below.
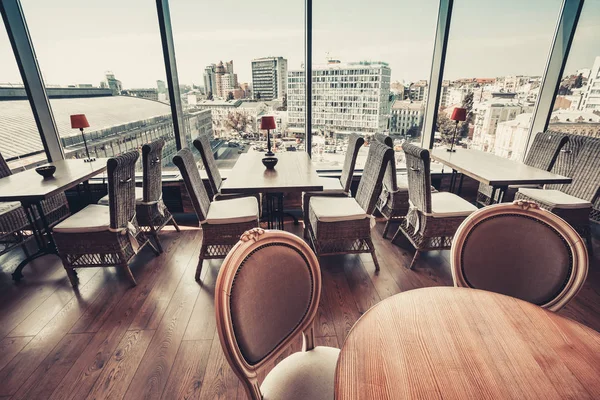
[413,131]
[578,81]
[467,104]
[230,96]
[237,121]
[283,104]
[257,95]
[445,126]
[209,96]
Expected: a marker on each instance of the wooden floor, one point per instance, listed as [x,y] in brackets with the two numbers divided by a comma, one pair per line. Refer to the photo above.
[158,339]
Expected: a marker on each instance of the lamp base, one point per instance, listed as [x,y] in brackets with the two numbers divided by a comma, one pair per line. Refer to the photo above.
[451,150]
[270,162]
[269,154]
[89,160]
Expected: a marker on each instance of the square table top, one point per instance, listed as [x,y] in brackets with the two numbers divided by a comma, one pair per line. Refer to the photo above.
[493,170]
[29,186]
[293,173]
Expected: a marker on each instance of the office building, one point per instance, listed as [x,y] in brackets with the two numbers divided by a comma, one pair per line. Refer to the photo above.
[406,114]
[269,78]
[591,98]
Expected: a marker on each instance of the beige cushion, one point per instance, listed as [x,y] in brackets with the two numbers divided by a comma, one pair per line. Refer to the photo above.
[93,218]
[303,376]
[8,206]
[445,205]
[335,209]
[555,198]
[139,197]
[402,181]
[331,184]
[233,211]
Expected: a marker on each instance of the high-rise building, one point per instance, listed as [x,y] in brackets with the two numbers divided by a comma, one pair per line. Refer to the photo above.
[347,97]
[591,97]
[161,86]
[220,79]
[113,83]
[210,84]
[269,78]
[406,114]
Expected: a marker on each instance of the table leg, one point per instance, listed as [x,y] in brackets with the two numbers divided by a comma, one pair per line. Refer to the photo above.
[493,195]
[460,183]
[502,192]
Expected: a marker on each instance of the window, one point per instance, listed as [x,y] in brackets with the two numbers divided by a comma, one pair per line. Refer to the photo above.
[370,71]
[20,142]
[577,103]
[235,66]
[103,59]
[495,60]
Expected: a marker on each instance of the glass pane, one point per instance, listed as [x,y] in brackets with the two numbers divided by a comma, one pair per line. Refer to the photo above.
[370,73]
[577,105]
[103,59]
[237,72]
[20,142]
[494,66]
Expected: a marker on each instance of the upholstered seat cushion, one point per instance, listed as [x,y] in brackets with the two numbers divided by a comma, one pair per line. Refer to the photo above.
[8,206]
[93,218]
[335,209]
[233,211]
[331,184]
[303,376]
[555,198]
[139,197]
[445,205]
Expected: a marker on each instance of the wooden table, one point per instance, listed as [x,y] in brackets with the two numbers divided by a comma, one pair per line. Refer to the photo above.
[30,189]
[293,173]
[460,343]
[493,170]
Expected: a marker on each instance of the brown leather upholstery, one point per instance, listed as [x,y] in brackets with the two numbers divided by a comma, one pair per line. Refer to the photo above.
[518,256]
[270,297]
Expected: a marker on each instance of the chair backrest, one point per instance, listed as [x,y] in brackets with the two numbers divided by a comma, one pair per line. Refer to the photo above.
[585,172]
[521,251]
[267,293]
[4,169]
[202,144]
[390,180]
[418,171]
[371,181]
[121,188]
[545,149]
[355,142]
[184,160]
[152,170]
[567,157]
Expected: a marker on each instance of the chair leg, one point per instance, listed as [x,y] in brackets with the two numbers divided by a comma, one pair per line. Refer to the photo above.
[157,242]
[373,255]
[414,260]
[590,244]
[70,273]
[154,249]
[386,229]
[129,274]
[175,224]
[200,262]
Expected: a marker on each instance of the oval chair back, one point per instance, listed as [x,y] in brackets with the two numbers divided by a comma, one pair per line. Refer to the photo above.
[202,144]
[121,189]
[418,166]
[184,160]
[355,142]
[152,170]
[521,251]
[267,293]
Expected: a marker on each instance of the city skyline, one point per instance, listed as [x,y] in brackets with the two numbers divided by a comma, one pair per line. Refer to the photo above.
[133,52]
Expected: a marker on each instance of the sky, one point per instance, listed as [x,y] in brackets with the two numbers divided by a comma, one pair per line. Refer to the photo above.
[77,41]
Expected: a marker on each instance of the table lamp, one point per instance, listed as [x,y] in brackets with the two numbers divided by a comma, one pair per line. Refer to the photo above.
[79,121]
[458,114]
[267,123]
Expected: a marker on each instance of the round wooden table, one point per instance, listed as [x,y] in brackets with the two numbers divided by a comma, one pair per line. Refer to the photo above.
[458,343]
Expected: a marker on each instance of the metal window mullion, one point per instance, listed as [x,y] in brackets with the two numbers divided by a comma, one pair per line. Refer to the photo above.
[437,72]
[555,66]
[20,40]
[308,76]
[166,35]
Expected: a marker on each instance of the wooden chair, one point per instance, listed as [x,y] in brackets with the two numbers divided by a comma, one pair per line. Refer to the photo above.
[573,202]
[151,213]
[267,294]
[543,153]
[521,251]
[335,186]
[342,225]
[393,201]
[222,222]
[100,236]
[433,218]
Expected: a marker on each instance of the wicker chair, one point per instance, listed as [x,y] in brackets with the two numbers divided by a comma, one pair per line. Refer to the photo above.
[521,251]
[255,331]
[342,225]
[334,186]
[542,154]
[573,202]
[100,236]
[393,201]
[222,222]
[433,217]
[14,225]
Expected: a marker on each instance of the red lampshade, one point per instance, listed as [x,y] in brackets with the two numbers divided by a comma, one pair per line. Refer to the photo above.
[459,114]
[267,122]
[79,121]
